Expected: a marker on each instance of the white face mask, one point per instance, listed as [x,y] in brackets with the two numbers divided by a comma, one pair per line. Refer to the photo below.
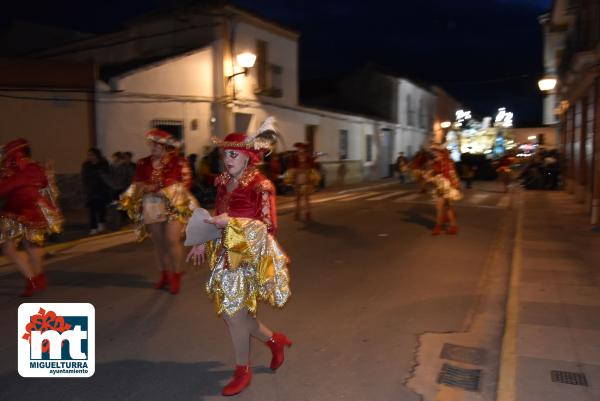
[235,162]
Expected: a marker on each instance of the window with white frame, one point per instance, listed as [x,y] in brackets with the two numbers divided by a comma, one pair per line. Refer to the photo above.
[343,145]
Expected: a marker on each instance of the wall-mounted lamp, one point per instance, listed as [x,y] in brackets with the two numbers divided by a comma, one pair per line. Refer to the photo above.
[547,84]
[445,124]
[245,60]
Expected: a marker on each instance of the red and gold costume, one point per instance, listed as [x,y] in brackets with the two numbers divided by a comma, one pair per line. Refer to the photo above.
[302,174]
[247,264]
[171,181]
[30,211]
[444,177]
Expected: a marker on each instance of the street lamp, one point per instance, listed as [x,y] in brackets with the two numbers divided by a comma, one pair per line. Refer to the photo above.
[547,84]
[445,124]
[245,60]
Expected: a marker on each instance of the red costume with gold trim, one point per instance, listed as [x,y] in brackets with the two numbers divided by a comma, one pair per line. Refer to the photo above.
[444,177]
[254,198]
[30,211]
[170,180]
[247,263]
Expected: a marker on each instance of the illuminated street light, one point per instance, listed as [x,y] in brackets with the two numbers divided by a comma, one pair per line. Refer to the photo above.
[547,84]
[445,124]
[246,60]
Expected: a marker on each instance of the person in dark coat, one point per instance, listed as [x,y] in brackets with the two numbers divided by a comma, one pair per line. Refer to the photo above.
[95,175]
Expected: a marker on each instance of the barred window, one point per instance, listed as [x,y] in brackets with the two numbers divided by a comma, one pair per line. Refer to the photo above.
[173,127]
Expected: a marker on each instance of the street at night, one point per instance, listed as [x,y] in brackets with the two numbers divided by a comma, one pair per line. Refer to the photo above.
[366,285]
[320,200]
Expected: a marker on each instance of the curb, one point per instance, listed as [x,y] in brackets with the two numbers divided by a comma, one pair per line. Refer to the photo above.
[57,248]
[506,389]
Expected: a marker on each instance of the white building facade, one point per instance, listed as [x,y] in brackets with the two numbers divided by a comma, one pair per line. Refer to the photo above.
[157,73]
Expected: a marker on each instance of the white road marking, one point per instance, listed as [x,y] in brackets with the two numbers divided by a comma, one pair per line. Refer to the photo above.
[388,195]
[478,198]
[408,198]
[365,195]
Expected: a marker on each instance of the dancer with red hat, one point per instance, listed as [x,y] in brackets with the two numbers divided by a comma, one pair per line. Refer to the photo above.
[29,214]
[247,264]
[159,203]
[304,177]
[447,189]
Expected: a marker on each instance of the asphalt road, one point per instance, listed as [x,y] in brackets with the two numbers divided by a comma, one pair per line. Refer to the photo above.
[367,279]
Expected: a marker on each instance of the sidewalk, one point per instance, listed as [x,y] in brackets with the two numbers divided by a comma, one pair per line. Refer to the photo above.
[551,346]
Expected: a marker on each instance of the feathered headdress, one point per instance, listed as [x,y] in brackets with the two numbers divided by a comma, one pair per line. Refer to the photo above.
[262,141]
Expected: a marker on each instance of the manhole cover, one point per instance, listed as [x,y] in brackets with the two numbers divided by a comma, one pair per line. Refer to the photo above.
[472,355]
[574,378]
[467,379]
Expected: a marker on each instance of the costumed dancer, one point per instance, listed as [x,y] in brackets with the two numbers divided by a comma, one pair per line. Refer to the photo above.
[419,168]
[504,170]
[29,214]
[446,189]
[159,203]
[246,262]
[304,177]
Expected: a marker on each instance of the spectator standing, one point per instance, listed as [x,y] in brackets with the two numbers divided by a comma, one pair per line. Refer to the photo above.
[95,173]
[402,167]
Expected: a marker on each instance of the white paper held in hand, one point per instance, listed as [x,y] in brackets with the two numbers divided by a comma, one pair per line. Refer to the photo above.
[198,231]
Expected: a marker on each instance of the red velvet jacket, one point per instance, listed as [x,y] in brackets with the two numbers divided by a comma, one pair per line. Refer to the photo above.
[253,198]
[174,169]
[21,191]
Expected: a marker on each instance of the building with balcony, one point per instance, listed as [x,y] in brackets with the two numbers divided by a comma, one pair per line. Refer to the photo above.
[572,56]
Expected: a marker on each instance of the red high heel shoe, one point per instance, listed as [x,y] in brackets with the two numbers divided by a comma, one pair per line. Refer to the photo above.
[277,343]
[437,230]
[175,284]
[165,277]
[41,282]
[241,379]
[29,288]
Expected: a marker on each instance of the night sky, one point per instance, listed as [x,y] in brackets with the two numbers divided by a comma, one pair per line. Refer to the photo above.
[486,53]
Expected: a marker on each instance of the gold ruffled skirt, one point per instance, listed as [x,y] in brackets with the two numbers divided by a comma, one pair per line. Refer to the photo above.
[180,204]
[16,229]
[247,265]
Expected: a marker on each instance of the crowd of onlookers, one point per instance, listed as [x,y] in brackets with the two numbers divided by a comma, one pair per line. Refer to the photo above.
[104,181]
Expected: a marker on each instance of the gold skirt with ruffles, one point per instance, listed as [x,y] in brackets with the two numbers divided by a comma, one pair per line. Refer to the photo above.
[14,228]
[180,205]
[247,265]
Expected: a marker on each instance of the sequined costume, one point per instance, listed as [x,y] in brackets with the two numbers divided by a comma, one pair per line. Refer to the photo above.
[302,174]
[171,181]
[445,180]
[247,264]
[30,210]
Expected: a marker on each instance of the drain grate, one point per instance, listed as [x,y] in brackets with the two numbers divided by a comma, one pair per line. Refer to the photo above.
[472,355]
[467,379]
[574,378]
